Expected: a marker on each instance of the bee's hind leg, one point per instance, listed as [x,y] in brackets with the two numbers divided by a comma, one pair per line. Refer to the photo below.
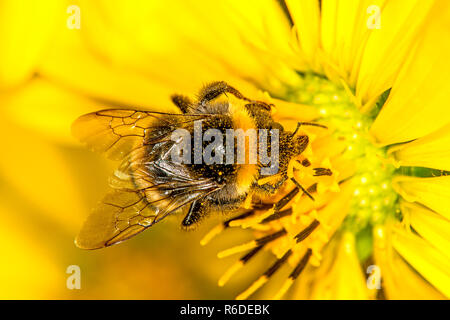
[182,102]
[194,215]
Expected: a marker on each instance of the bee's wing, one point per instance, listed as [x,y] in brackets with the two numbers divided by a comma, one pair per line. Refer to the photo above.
[125,213]
[116,132]
[145,192]
[119,216]
[147,187]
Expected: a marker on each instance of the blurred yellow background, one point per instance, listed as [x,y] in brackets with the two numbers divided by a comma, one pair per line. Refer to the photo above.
[60,59]
[51,72]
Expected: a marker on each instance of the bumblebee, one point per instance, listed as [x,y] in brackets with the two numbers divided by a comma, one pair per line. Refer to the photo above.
[149,185]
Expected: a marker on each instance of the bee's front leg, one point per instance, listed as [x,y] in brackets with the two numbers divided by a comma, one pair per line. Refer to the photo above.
[215,89]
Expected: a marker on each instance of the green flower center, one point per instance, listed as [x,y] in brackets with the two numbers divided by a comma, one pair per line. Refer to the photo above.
[373,196]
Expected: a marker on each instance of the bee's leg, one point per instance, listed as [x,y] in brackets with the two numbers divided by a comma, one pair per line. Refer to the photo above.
[195,213]
[215,89]
[299,187]
[300,143]
[182,102]
[272,188]
[257,106]
[284,201]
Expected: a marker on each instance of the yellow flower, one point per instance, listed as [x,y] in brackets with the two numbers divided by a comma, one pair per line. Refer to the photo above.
[382,91]
[374,72]
[340,274]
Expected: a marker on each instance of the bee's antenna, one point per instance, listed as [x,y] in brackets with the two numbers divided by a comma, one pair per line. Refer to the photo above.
[299,186]
[312,124]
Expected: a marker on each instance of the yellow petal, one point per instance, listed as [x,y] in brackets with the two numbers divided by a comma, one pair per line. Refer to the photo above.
[26,28]
[429,225]
[260,19]
[47,109]
[388,46]
[83,72]
[153,44]
[399,280]
[150,45]
[352,34]
[103,62]
[432,192]
[431,151]
[344,34]
[417,104]
[306,17]
[284,110]
[339,276]
[429,262]
[328,23]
